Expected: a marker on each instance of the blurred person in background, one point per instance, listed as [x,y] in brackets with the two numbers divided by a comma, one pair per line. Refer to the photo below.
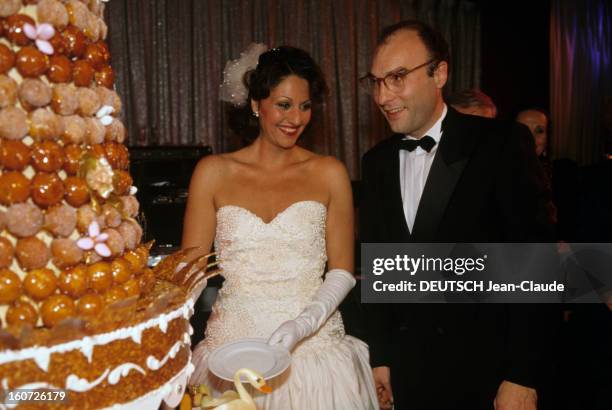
[473,102]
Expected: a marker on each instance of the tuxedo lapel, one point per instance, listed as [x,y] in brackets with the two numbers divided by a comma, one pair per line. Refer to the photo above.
[451,158]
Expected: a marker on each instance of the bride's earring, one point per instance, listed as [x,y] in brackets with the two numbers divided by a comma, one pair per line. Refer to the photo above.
[256,114]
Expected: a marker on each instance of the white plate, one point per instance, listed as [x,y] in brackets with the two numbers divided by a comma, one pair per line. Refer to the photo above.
[253,353]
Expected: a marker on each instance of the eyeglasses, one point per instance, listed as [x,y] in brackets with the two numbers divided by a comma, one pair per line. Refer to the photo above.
[394,81]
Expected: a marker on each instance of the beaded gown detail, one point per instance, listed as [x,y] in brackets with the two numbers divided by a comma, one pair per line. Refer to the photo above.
[272,271]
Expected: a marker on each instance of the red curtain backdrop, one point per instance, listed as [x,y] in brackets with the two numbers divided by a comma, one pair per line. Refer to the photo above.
[580,77]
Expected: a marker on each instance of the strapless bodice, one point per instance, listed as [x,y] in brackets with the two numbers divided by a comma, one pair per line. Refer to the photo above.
[271,270]
[285,255]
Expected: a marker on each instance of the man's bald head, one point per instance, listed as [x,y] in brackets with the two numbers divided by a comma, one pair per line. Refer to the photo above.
[537,122]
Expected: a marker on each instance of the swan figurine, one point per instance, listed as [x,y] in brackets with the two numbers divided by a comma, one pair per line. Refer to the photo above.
[229,400]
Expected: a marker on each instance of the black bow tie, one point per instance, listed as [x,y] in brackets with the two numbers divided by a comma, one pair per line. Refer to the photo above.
[426,142]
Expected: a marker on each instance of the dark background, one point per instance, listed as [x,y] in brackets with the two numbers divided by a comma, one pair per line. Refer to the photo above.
[515,54]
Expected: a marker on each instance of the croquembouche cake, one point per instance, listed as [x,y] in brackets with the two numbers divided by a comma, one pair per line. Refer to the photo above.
[80,311]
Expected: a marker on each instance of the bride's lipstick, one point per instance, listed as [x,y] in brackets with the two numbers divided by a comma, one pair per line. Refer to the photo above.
[289,131]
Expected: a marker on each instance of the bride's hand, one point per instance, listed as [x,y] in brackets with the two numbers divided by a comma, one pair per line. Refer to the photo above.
[337,284]
[287,335]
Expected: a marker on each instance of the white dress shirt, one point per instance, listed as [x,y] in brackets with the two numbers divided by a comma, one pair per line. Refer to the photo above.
[414,168]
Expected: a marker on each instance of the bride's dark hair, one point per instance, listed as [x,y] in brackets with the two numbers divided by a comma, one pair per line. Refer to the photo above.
[273,67]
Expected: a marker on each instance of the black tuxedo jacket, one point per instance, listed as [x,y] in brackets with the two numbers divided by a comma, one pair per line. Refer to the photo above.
[485,185]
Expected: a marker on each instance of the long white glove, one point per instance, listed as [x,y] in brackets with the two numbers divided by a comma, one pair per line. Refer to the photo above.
[335,287]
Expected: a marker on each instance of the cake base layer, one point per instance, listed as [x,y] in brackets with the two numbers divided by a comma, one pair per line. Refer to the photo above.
[102,370]
[170,393]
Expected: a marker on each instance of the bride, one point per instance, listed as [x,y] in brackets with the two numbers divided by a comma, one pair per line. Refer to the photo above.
[278,215]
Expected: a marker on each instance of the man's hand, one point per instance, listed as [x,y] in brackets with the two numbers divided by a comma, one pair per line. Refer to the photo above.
[382,381]
[512,396]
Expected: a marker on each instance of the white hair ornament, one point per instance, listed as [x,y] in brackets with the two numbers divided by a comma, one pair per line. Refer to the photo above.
[232,89]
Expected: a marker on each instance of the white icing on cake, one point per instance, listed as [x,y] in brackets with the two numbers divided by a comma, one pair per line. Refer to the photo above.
[42,360]
[154,364]
[87,348]
[152,400]
[136,336]
[122,371]
[163,322]
[75,383]
[41,354]
[170,392]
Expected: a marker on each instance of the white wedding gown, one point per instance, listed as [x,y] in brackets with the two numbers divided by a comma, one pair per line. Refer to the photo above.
[271,271]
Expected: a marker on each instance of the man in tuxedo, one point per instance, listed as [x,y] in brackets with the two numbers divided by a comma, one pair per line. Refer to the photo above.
[448,177]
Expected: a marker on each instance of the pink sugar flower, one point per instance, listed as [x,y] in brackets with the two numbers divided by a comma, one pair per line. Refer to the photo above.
[104,115]
[95,240]
[41,34]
